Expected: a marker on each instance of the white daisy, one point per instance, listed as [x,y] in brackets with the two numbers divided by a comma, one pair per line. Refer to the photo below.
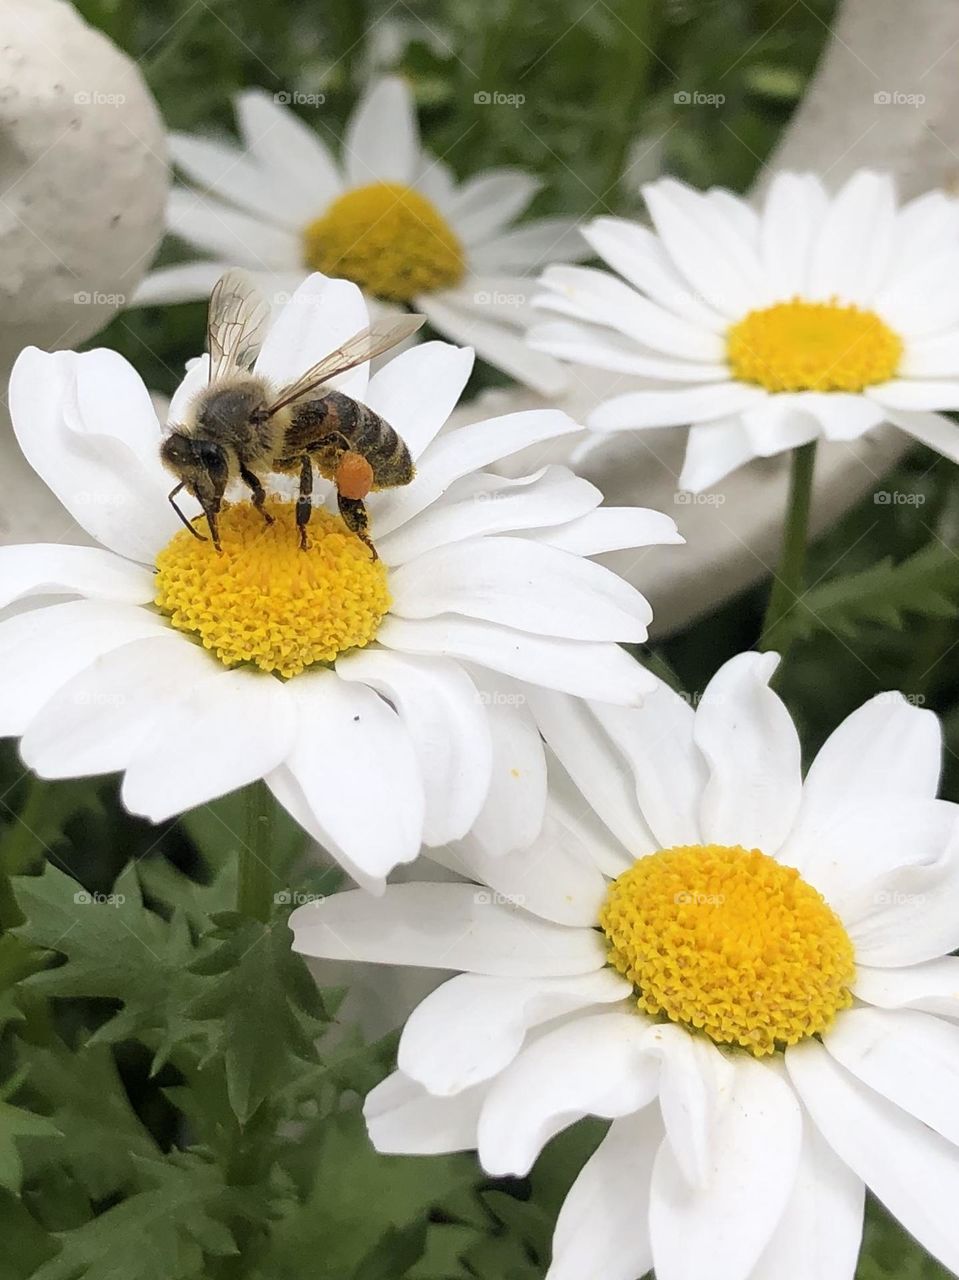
[817,316]
[387,215]
[373,696]
[766,957]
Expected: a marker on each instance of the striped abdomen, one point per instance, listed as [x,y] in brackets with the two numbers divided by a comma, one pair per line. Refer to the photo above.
[342,418]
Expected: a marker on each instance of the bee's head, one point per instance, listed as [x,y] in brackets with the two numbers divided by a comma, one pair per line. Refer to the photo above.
[202,468]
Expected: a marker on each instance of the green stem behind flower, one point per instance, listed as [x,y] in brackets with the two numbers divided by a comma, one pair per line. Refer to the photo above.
[789,578]
[255,889]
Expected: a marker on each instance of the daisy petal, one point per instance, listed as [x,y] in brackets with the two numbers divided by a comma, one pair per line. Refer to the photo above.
[713,451]
[443,926]
[51,569]
[582,344]
[594,1065]
[934,357]
[752,750]
[184,282]
[442,712]
[795,204]
[842,417]
[779,423]
[612,529]
[226,172]
[598,670]
[321,315]
[403,1119]
[932,987]
[820,1232]
[417,391]
[933,429]
[288,150]
[489,201]
[220,709]
[635,410]
[523,584]
[851,250]
[473,1026]
[916,394]
[911,1058]
[227,233]
[695,1084]
[531,245]
[721,1229]
[382,138]
[913,1171]
[602,1227]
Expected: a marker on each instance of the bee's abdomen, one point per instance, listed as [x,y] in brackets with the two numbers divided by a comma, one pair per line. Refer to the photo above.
[365,432]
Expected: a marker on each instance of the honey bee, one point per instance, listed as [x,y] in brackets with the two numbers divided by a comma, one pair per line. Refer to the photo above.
[239,427]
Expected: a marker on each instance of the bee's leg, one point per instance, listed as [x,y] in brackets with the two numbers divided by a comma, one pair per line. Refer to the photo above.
[353,511]
[212,514]
[252,482]
[304,502]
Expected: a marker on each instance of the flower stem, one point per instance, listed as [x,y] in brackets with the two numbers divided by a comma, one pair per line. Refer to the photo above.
[255,889]
[789,577]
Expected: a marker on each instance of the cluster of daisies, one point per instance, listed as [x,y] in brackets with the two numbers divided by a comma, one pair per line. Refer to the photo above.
[656,918]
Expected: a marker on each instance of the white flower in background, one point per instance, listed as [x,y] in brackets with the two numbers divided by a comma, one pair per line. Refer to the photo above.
[373,696]
[748,973]
[819,316]
[388,216]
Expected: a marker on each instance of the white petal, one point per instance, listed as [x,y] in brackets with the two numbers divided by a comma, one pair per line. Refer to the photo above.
[602,299]
[473,1026]
[553,876]
[752,750]
[467,449]
[913,1171]
[497,505]
[489,201]
[842,417]
[603,1226]
[695,1084]
[638,255]
[98,719]
[914,393]
[589,669]
[446,720]
[720,1230]
[778,423]
[417,391]
[934,357]
[494,342]
[300,164]
[593,1065]
[523,584]
[86,425]
[356,765]
[195,380]
[228,173]
[226,731]
[911,1058]
[588,344]
[795,204]
[922,301]
[931,429]
[224,232]
[381,143]
[43,649]
[668,770]
[403,1119]
[690,230]
[713,451]
[596,766]
[51,569]
[531,245]
[849,257]
[512,813]
[932,987]
[639,409]
[443,926]
[612,529]
[184,282]
[820,1232]
[321,315]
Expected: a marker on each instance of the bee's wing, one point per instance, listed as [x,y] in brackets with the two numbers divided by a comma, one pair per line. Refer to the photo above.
[236,324]
[364,345]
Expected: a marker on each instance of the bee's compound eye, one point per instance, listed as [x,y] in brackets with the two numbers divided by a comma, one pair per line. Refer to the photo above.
[354,476]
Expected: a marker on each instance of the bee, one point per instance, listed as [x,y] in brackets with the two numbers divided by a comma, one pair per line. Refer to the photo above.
[239,427]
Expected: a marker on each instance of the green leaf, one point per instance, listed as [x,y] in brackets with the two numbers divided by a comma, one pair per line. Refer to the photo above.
[926,584]
[218,831]
[162,1233]
[262,1008]
[27,1245]
[14,1124]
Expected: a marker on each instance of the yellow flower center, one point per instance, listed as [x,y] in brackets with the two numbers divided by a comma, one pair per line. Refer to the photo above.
[729,942]
[813,346]
[267,602]
[388,239]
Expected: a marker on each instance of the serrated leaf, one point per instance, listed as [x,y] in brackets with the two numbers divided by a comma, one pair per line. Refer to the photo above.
[15,1123]
[31,1244]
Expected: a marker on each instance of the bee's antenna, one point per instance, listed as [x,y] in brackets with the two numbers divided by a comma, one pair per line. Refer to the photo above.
[188,523]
